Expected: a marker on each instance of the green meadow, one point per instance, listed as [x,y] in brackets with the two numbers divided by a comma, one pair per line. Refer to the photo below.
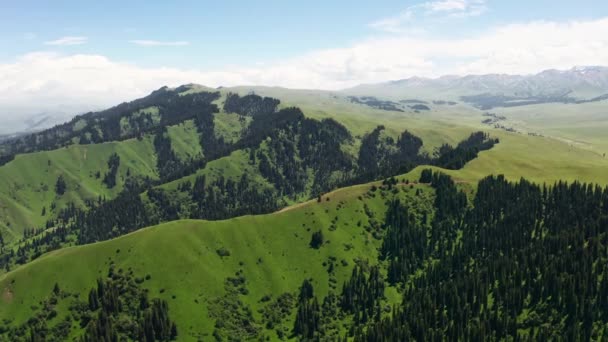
[185,268]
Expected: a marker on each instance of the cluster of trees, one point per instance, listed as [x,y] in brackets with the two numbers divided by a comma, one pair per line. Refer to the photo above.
[380,156]
[524,262]
[60,186]
[529,263]
[316,240]
[36,242]
[360,300]
[117,309]
[167,162]
[361,295]
[112,299]
[250,105]
[213,200]
[308,316]
[109,179]
[295,145]
[5,159]
[404,244]
[110,219]
[376,103]
[455,158]
[103,126]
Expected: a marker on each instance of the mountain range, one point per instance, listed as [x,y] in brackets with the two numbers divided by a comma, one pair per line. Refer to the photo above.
[579,83]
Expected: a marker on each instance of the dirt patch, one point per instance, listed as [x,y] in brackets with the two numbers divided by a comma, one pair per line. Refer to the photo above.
[7,295]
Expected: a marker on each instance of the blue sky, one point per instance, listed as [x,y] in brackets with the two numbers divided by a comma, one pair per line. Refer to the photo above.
[220,33]
[79,55]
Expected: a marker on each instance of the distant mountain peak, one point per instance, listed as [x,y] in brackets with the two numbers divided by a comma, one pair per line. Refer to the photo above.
[588,80]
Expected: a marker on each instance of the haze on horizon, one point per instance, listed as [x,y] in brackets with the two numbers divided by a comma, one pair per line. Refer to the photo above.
[70,57]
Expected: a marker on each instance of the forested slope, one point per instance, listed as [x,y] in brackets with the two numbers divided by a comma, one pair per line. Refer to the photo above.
[195,161]
[388,261]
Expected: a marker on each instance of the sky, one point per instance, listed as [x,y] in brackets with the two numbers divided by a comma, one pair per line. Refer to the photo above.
[81,55]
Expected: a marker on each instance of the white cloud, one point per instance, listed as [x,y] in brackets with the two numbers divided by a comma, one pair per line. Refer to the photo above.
[158,43]
[84,81]
[404,21]
[67,41]
[471,6]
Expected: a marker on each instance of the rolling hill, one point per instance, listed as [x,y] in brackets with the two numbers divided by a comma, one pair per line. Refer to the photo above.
[186,269]
[193,200]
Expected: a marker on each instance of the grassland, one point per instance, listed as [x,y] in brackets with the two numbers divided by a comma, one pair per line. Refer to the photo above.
[185,140]
[570,145]
[27,184]
[272,250]
[182,260]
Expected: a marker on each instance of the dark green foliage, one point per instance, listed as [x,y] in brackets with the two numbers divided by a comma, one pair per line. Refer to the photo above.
[529,264]
[167,162]
[213,147]
[296,145]
[5,159]
[361,295]
[306,291]
[223,252]
[118,309]
[376,103]
[119,296]
[226,198]
[467,150]
[234,319]
[109,178]
[173,108]
[110,219]
[383,157]
[276,313]
[316,241]
[308,316]
[426,176]
[404,245]
[250,105]
[60,186]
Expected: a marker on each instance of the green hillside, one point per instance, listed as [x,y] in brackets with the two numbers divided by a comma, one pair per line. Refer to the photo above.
[231,157]
[569,143]
[27,184]
[239,279]
[185,269]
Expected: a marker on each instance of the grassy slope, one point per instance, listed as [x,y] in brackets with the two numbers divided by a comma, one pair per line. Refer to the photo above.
[539,158]
[185,140]
[572,148]
[582,125]
[181,257]
[27,184]
[229,126]
[232,166]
